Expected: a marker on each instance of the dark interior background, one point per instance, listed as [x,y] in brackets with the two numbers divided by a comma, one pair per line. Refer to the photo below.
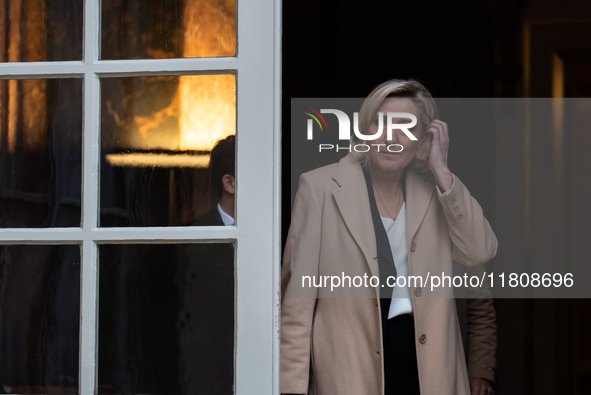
[477,48]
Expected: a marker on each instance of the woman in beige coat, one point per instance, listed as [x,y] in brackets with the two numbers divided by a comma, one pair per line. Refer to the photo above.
[373,216]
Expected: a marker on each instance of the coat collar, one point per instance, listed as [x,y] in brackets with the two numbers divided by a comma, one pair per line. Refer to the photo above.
[353,203]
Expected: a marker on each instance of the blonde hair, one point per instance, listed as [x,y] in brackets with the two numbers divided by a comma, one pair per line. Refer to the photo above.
[427,112]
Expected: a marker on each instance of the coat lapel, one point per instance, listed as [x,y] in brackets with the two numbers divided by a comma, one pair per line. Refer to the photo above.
[419,192]
[353,203]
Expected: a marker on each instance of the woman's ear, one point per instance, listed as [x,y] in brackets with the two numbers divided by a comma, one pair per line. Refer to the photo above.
[228,183]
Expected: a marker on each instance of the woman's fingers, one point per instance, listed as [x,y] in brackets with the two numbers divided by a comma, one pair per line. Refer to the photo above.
[438,155]
[439,131]
[439,145]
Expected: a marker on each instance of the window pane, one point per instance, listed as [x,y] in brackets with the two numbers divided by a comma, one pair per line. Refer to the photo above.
[40,152]
[40,30]
[156,29]
[39,319]
[157,134]
[166,319]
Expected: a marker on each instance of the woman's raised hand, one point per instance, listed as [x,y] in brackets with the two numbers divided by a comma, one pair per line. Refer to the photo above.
[438,156]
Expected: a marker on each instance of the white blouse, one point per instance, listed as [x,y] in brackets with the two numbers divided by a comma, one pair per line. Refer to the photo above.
[396,231]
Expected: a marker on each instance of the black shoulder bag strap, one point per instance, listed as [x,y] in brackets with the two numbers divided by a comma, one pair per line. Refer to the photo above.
[385,259]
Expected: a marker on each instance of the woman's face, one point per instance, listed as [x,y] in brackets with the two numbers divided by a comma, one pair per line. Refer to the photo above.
[381,158]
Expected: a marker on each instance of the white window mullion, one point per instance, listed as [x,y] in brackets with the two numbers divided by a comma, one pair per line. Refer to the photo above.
[258,236]
[120,68]
[91,151]
[90,201]
[41,70]
[88,318]
[40,236]
[277,252]
[92,31]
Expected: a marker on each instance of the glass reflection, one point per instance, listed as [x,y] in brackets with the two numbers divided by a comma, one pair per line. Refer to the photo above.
[157,134]
[40,30]
[40,152]
[135,29]
[166,319]
[39,319]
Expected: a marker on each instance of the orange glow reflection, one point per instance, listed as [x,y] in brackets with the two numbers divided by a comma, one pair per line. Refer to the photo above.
[26,99]
[202,111]
[208,110]
[208,102]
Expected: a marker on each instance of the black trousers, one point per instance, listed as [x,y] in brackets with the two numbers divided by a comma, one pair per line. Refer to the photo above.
[400,358]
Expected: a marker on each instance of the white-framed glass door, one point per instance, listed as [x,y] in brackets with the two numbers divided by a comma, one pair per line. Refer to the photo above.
[91,247]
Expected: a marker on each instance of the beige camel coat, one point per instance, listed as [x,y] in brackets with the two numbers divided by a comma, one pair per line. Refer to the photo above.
[333,345]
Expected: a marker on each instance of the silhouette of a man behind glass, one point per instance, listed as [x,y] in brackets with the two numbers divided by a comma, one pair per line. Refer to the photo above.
[206,319]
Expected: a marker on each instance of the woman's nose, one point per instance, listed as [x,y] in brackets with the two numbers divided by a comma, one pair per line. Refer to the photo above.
[393,137]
